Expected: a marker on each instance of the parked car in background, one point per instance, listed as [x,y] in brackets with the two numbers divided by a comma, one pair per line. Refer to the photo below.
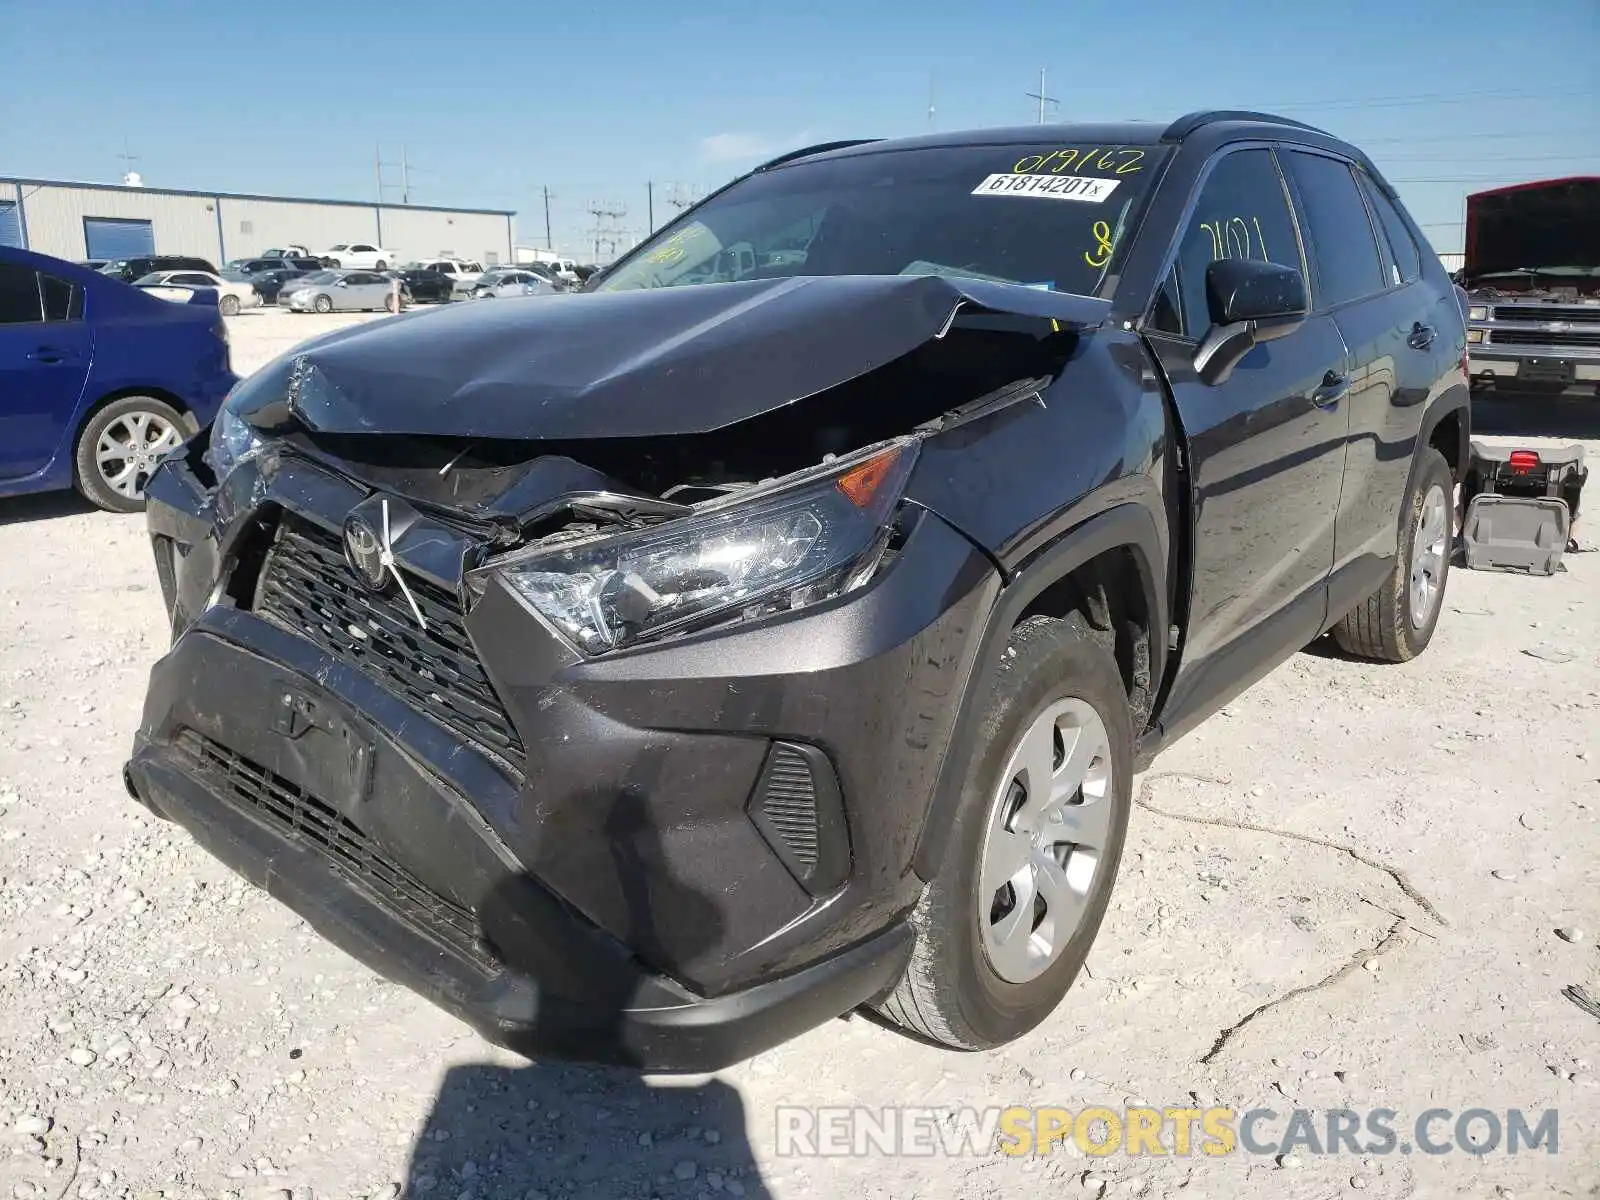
[129,269]
[92,264]
[463,274]
[512,281]
[252,266]
[356,254]
[1532,275]
[545,272]
[286,252]
[268,284]
[98,380]
[430,286]
[232,294]
[340,291]
[585,272]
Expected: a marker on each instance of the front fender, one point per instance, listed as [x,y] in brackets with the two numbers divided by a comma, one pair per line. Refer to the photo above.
[1133,525]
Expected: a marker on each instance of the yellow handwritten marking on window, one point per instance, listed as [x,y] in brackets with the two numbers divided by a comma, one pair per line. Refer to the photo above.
[1117,160]
[1236,237]
[1101,254]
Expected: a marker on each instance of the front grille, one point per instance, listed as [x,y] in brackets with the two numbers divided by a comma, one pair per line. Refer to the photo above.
[1545,337]
[1583,314]
[306,587]
[310,823]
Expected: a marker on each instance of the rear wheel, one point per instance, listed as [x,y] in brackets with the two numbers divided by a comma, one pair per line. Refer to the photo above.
[323,304]
[382,266]
[229,306]
[120,447]
[1004,928]
[1396,622]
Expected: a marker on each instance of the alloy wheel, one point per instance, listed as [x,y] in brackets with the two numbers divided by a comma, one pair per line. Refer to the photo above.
[129,449]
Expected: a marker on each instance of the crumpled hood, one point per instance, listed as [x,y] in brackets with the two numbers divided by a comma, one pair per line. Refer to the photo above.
[664,361]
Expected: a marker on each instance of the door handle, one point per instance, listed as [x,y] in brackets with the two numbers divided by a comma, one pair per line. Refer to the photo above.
[1421,336]
[48,354]
[1331,390]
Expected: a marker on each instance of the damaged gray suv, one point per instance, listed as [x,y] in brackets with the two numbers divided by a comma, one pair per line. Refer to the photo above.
[773,627]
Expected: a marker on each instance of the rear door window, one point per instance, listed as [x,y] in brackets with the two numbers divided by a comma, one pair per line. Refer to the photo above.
[1407,257]
[1340,235]
[19,296]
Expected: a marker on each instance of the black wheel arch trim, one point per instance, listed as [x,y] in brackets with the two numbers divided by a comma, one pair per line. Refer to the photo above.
[1454,399]
[1130,526]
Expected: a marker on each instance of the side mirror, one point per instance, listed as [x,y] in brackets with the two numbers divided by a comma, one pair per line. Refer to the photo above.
[342,283]
[1250,302]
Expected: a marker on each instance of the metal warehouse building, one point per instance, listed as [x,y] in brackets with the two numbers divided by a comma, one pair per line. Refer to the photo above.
[81,220]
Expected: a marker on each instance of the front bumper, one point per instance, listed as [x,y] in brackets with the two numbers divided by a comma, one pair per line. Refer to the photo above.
[627,819]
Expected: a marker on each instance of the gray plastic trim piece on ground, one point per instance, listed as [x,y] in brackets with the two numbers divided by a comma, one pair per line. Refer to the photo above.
[1516,533]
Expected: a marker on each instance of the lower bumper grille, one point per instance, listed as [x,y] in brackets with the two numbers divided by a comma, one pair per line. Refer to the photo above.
[306,587]
[1589,337]
[307,821]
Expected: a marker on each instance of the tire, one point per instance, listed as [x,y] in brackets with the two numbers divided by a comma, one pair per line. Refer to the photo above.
[382,266]
[335,263]
[323,304]
[1396,622]
[390,305]
[228,306]
[117,484]
[953,991]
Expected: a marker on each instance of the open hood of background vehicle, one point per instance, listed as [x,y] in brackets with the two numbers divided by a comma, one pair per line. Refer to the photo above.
[647,363]
[1550,224]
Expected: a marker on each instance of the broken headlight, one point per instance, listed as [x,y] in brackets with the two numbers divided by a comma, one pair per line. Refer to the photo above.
[800,540]
[233,441]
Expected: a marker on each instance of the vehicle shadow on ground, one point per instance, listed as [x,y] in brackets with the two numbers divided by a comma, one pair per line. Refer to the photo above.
[18,509]
[1535,416]
[559,1129]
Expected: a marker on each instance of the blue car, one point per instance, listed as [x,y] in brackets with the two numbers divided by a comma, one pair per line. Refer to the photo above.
[99,380]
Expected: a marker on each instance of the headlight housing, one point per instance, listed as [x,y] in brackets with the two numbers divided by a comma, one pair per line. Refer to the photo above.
[797,541]
[233,441]
[1477,312]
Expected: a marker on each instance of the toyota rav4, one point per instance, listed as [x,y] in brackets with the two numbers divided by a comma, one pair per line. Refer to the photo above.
[774,627]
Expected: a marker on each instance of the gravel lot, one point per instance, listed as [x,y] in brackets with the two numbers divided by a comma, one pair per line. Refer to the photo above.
[1342,892]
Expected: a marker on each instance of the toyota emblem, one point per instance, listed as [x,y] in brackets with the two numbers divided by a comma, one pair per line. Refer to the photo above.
[363,553]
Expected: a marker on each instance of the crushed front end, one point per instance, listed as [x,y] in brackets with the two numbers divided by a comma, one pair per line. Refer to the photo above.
[428,693]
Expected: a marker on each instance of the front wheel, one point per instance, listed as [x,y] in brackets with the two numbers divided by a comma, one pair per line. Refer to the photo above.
[229,306]
[1006,925]
[323,304]
[1396,622]
[382,266]
[120,447]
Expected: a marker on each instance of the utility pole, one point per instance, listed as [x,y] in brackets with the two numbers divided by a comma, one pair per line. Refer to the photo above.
[606,214]
[377,168]
[1041,97]
[548,243]
[128,158]
[650,206]
[405,177]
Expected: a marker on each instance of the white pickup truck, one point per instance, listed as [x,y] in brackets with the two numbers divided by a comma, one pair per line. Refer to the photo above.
[463,274]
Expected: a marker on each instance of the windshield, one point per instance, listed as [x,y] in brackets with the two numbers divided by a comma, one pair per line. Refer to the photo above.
[236,276]
[319,277]
[339,246]
[1044,216]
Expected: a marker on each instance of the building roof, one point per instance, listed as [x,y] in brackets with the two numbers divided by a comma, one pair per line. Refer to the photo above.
[214,195]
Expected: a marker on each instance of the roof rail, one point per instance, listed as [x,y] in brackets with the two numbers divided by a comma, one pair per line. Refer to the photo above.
[1188,123]
[819,148]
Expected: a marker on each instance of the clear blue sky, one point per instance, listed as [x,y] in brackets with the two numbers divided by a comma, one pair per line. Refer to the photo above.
[494,101]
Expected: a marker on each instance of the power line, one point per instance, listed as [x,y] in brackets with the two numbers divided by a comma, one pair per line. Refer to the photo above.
[1457,97]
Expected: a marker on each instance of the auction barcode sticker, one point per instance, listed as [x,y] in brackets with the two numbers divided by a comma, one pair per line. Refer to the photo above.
[1050,187]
